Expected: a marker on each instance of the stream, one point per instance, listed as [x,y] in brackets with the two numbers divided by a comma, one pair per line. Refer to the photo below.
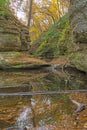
[43,100]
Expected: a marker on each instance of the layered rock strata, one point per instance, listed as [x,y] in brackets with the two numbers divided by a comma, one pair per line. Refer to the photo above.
[78,22]
[13,35]
[14,44]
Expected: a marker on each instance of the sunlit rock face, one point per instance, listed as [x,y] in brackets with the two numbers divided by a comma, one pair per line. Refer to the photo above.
[78,22]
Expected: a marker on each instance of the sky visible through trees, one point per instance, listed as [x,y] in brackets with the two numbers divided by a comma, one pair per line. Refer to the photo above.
[43,14]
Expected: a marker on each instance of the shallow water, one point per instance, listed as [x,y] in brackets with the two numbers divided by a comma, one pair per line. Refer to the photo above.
[25,100]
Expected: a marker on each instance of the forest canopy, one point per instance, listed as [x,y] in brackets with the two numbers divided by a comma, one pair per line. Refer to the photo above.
[43,13]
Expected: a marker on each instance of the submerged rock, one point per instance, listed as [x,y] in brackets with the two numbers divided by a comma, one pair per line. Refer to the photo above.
[78,22]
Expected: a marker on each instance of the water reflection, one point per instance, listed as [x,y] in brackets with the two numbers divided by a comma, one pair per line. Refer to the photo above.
[46,111]
[41,81]
[42,112]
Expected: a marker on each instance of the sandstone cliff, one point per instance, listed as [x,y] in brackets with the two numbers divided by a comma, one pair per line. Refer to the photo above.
[78,22]
[13,35]
[14,44]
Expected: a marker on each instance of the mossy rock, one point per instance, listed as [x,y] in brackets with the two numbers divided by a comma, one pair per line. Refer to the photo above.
[53,42]
[14,36]
[9,42]
[79,60]
[19,60]
[78,20]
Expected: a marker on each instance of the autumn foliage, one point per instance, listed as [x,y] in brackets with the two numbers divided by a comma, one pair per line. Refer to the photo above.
[44,13]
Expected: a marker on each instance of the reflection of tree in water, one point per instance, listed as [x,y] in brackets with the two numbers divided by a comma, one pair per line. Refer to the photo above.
[10,107]
[50,110]
[60,81]
[45,111]
[75,79]
[55,110]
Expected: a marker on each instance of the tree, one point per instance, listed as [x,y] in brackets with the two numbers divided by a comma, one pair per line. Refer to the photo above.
[38,15]
[30,12]
[45,13]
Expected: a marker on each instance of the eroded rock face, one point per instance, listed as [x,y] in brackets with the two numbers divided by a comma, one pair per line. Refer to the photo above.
[13,35]
[20,60]
[78,22]
[14,44]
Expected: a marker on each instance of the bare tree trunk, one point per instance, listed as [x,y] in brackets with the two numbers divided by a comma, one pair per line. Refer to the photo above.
[30,12]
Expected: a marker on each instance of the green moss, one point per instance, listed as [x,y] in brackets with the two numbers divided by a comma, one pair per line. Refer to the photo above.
[4,7]
[63,41]
[4,3]
[53,42]
[79,60]
[4,12]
